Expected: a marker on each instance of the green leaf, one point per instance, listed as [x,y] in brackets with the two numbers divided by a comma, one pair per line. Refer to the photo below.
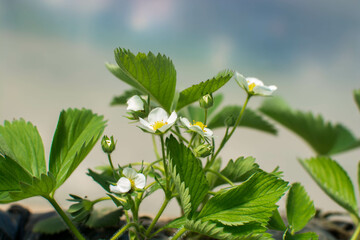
[211,177]
[103,179]
[250,119]
[250,231]
[123,98]
[11,173]
[195,92]
[150,74]
[176,223]
[238,171]
[299,208]
[188,175]
[301,236]
[21,141]
[333,180]
[253,201]
[51,225]
[104,218]
[276,222]
[76,134]
[357,97]
[324,137]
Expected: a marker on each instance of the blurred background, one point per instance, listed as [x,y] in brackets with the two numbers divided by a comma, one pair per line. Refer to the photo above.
[52,56]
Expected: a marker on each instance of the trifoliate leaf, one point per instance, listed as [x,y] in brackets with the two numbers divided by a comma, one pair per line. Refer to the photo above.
[252,201]
[76,134]
[299,208]
[195,92]
[238,171]
[188,175]
[122,99]
[357,97]
[333,179]
[324,137]
[21,141]
[250,119]
[150,74]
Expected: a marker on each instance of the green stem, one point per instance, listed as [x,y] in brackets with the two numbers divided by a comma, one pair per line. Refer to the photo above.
[163,206]
[222,177]
[178,234]
[66,219]
[164,162]
[356,235]
[179,136]
[192,139]
[121,231]
[112,166]
[238,120]
[155,147]
[206,114]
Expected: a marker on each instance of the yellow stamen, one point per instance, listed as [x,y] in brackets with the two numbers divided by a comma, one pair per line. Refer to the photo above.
[158,125]
[251,86]
[200,124]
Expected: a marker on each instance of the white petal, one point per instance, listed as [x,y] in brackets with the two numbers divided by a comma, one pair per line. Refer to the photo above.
[197,129]
[165,127]
[172,118]
[129,173]
[264,90]
[123,185]
[157,114]
[257,82]
[114,189]
[135,103]
[185,122]
[140,181]
[240,79]
[146,125]
[208,132]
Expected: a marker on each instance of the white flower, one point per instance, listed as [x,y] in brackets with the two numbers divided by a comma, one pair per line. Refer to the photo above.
[130,181]
[197,127]
[135,103]
[254,86]
[158,121]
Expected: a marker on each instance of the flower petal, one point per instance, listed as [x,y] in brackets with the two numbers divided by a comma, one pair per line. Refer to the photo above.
[240,79]
[146,125]
[208,133]
[114,189]
[172,118]
[164,128]
[157,114]
[257,82]
[129,173]
[135,103]
[264,90]
[185,122]
[123,185]
[197,129]
[140,181]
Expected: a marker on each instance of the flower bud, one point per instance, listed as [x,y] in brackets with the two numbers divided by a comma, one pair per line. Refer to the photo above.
[206,101]
[108,144]
[203,150]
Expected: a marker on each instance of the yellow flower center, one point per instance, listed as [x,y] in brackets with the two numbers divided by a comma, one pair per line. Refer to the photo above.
[158,125]
[251,86]
[132,183]
[200,124]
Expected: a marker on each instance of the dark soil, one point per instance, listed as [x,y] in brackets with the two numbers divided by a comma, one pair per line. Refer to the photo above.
[17,223]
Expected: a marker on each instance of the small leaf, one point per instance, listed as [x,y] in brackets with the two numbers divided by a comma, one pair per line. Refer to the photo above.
[299,208]
[333,180]
[21,141]
[324,137]
[51,225]
[250,119]
[150,74]
[104,218]
[188,175]
[76,134]
[176,223]
[301,236]
[357,97]
[276,222]
[238,171]
[104,179]
[252,201]
[123,98]
[195,92]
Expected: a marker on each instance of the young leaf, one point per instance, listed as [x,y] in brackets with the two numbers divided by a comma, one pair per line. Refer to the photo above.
[103,179]
[299,208]
[301,236]
[76,134]
[122,99]
[357,97]
[333,179]
[324,137]
[238,171]
[253,201]
[250,119]
[150,74]
[195,92]
[21,141]
[188,175]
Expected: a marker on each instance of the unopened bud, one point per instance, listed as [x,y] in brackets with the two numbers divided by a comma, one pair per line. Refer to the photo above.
[203,150]
[206,101]
[108,144]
